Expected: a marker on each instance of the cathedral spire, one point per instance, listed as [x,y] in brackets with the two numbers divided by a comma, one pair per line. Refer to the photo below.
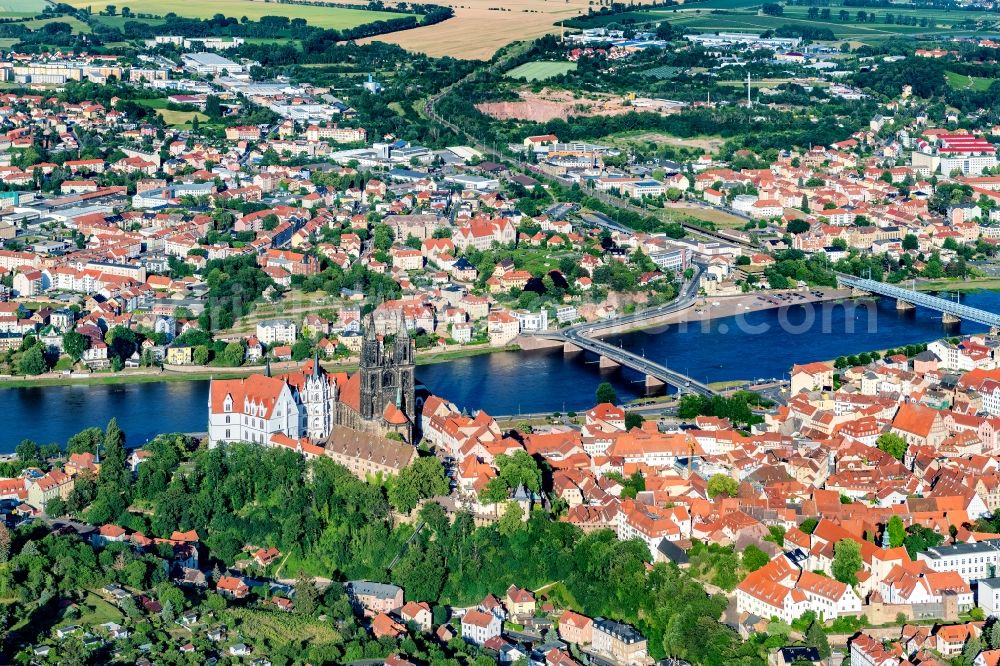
[316,369]
[267,366]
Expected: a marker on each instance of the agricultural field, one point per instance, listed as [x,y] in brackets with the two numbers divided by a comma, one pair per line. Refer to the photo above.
[21,8]
[76,24]
[742,15]
[481,27]
[540,70]
[322,17]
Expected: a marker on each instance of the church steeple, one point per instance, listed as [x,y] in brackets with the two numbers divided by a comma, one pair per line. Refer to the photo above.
[316,368]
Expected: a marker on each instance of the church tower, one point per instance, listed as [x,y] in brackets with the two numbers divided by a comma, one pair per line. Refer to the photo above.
[387,375]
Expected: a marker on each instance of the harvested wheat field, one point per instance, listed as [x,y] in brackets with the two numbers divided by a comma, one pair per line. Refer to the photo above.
[478,28]
[550,104]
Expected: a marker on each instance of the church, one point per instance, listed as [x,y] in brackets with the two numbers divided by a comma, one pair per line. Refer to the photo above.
[311,403]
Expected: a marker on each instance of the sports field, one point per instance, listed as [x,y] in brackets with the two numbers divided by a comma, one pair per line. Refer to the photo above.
[21,8]
[322,17]
[540,70]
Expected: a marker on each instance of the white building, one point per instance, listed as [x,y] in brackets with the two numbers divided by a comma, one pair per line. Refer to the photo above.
[276,331]
[479,626]
[972,561]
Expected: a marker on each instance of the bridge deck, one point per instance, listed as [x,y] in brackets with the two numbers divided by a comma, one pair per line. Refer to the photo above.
[943,305]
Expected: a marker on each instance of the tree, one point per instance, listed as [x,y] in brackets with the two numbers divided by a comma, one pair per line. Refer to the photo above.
[305,594]
[754,558]
[606,393]
[846,561]
[633,420]
[33,362]
[511,520]
[55,507]
[797,226]
[85,441]
[816,637]
[74,344]
[233,354]
[115,473]
[897,533]
[892,444]
[519,469]
[721,484]
[200,355]
[424,478]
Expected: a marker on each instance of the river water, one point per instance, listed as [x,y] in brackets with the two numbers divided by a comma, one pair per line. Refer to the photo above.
[761,344]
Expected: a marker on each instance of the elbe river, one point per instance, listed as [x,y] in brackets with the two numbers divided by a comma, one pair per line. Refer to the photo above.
[760,344]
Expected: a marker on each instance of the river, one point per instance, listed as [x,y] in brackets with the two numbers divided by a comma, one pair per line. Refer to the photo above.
[756,345]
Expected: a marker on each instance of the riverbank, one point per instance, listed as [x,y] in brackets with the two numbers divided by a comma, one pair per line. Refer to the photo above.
[972,284]
[202,373]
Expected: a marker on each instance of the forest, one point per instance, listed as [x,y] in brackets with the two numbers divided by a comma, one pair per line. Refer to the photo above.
[337,526]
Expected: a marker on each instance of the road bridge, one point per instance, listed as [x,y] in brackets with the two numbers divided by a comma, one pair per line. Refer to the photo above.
[584,337]
[951,310]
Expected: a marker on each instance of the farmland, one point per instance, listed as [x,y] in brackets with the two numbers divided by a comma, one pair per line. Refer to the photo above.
[541,70]
[743,15]
[480,27]
[21,8]
[323,17]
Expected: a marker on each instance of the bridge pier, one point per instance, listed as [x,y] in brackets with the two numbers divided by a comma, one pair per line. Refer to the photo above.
[654,383]
[608,363]
[570,348]
[859,293]
[903,306]
[947,319]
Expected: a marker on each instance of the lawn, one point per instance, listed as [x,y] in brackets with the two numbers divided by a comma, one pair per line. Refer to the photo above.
[323,17]
[962,82]
[540,70]
[178,118]
[94,611]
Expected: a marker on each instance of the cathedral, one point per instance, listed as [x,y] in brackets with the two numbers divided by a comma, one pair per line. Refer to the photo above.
[378,399]
[380,396]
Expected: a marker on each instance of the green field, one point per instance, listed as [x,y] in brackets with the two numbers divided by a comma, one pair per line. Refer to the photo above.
[744,16]
[322,17]
[21,8]
[963,82]
[539,70]
[75,23]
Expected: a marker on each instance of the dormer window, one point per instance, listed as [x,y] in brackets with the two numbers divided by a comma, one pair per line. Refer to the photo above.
[227,405]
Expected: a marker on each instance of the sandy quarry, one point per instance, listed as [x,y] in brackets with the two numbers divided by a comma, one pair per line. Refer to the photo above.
[551,104]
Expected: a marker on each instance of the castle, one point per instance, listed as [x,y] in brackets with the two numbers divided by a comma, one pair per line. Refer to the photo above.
[378,399]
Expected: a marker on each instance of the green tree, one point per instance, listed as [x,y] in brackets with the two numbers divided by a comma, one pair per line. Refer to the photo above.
[424,478]
[115,473]
[633,420]
[519,469]
[846,561]
[33,362]
[306,594]
[892,444]
[816,637]
[722,484]
[55,507]
[606,393]
[74,344]
[233,354]
[511,520]
[897,533]
[754,558]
